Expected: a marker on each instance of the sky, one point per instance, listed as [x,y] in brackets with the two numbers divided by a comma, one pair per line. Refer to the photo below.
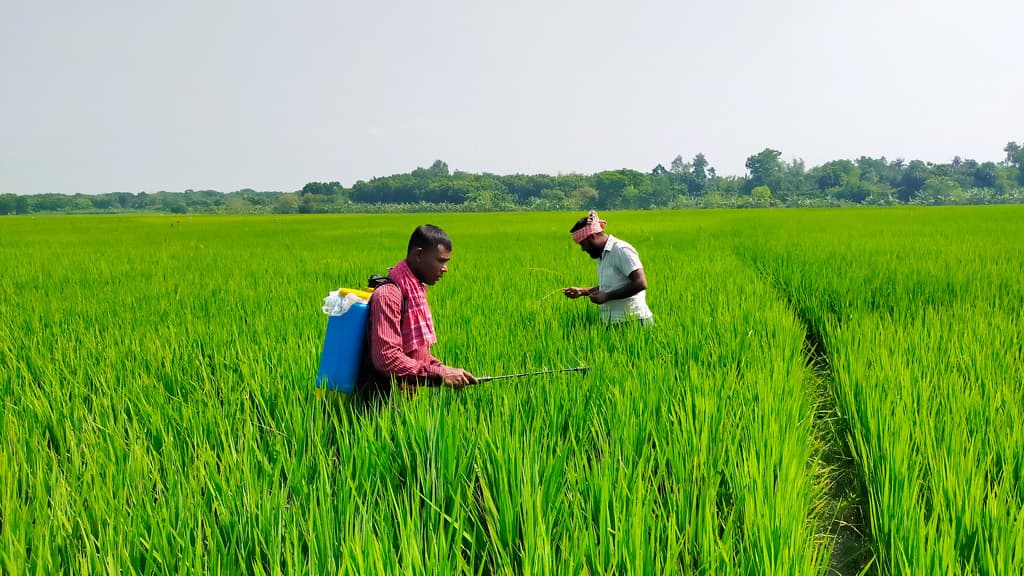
[132,96]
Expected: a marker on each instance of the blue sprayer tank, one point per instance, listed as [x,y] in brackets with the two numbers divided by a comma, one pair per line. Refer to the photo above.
[343,349]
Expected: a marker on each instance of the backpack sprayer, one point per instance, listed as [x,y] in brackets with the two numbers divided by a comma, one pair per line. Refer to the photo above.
[346,337]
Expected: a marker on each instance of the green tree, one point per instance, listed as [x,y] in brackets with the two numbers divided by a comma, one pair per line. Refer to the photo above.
[881,194]
[876,170]
[795,183]
[761,196]
[287,204]
[699,175]
[8,204]
[660,191]
[630,197]
[912,180]
[489,200]
[439,168]
[49,203]
[609,185]
[323,188]
[173,204]
[102,202]
[765,169]
[524,188]
[584,198]
[238,205]
[833,175]
[1013,157]
[125,200]
[678,165]
[841,180]
[940,190]
[986,175]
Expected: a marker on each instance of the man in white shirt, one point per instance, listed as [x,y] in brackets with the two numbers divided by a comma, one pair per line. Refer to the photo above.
[622,284]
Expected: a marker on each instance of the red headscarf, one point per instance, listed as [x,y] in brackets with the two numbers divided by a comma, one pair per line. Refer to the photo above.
[594,225]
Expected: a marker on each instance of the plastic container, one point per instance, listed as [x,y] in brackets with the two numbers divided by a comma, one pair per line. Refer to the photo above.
[342,354]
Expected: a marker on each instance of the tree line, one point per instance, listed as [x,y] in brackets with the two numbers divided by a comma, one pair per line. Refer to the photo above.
[770,181]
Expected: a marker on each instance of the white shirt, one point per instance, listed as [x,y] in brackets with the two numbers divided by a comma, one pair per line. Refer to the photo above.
[618,260]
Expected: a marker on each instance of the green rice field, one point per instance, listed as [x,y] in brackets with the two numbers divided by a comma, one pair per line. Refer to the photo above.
[823,392]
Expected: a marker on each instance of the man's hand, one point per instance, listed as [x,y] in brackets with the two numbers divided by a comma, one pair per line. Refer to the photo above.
[575,292]
[598,297]
[457,378]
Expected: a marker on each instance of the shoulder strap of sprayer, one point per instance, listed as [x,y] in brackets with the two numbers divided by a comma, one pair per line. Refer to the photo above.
[376,281]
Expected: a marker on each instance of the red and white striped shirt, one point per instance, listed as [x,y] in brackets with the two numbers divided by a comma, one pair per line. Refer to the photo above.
[387,346]
[417,322]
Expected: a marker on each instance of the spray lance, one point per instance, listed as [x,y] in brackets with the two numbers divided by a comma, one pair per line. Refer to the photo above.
[580,369]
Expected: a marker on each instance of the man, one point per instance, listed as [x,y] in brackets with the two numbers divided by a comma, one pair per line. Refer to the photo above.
[400,324]
[622,285]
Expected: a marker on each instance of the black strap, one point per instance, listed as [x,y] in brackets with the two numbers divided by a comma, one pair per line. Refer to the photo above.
[375,281]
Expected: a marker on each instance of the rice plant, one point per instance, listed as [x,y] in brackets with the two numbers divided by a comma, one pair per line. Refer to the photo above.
[159,414]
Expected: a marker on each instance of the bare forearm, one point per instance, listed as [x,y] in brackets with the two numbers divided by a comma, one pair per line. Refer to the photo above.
[636,283]
[630,289]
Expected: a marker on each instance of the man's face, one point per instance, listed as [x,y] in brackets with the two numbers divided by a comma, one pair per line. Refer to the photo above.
[429,264]
[590,247]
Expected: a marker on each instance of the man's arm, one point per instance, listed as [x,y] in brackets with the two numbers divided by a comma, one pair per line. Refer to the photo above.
[637,283]
[626,260]
[575,292]
[386,345]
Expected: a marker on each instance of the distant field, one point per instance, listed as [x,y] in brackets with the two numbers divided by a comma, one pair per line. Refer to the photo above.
[823,391]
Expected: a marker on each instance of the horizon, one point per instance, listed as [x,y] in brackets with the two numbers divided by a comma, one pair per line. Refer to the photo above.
[453,170]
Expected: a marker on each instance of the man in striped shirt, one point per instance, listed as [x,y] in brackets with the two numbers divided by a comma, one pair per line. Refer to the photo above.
[401,325]
[622,285]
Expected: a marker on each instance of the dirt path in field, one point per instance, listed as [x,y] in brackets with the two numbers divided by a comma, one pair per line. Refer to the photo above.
[846,495]
[843,512]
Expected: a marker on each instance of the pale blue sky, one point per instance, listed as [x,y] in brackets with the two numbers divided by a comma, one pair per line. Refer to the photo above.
[136,95]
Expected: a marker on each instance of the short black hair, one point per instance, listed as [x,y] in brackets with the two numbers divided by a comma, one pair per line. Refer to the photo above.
[429,236]
[580,224]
